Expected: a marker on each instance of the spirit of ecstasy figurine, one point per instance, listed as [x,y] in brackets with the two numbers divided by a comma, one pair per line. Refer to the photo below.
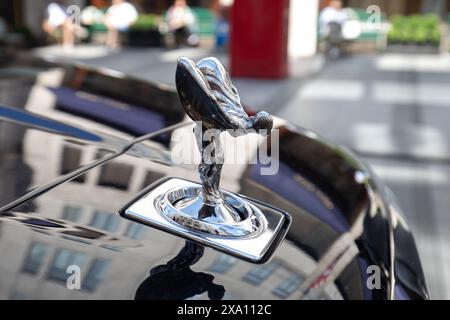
[203,213]
[210,99]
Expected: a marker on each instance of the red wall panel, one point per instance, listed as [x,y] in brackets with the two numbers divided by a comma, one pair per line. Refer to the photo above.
[258,45]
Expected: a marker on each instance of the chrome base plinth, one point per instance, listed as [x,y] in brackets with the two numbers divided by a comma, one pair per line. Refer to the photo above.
[175,205]
[232,216]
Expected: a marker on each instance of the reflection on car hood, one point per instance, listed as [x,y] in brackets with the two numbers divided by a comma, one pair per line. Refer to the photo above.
[65,132]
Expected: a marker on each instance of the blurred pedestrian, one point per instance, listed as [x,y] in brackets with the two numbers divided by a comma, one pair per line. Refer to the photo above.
[222,27]
[331,21]
[333,13]
[57,20]
[182,23]
[119,17]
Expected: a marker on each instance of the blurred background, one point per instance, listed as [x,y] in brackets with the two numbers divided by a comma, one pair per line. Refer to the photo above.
[373,76]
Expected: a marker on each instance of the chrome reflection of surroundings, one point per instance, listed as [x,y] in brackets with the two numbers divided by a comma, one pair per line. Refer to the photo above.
[184,205]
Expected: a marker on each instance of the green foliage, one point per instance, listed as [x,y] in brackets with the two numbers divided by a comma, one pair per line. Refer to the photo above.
[415,29]
[21,30]
[147,22]
[206,21]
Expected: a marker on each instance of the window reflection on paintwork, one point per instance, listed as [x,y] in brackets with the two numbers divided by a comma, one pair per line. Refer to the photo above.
[222,264]
[95,274]
[35,256]
[260,273]
[62,259]
[115,175]
[287,287]
[105,221]
[134,231]
[72,213]
[151,177]
[70,161]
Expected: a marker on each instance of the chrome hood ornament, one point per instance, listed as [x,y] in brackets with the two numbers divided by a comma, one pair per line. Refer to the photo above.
[211,100]
[229,222]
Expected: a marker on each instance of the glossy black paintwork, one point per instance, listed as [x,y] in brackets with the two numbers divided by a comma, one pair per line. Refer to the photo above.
[343,218]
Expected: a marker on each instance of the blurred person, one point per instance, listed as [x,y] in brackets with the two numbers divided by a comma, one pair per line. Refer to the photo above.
[331,21]
[333,13]
[222,28]
[181,22]
[119,17]
[58,19]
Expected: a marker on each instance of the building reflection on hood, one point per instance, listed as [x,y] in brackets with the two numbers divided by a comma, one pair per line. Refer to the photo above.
[16,174]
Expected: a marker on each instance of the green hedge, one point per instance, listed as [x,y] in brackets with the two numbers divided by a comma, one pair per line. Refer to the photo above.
[415,29]
[147,22]
[206,21]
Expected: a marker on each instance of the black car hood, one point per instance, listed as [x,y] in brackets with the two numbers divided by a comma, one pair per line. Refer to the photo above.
[67,173]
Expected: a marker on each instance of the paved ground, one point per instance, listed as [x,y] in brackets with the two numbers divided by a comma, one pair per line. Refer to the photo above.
[393,110]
